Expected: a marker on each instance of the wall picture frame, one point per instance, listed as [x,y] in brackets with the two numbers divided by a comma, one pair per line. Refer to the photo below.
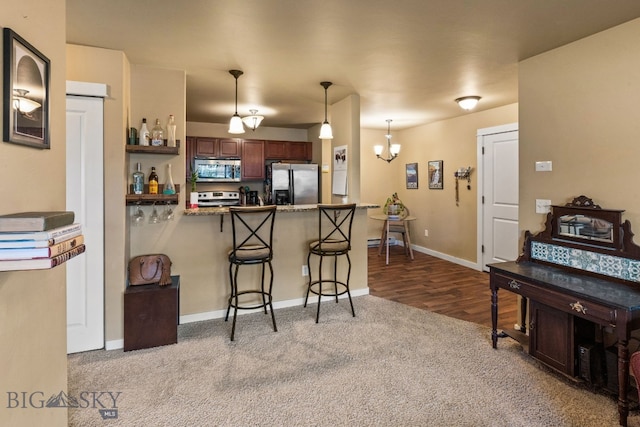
[26,78]
[412,175]
[435,170]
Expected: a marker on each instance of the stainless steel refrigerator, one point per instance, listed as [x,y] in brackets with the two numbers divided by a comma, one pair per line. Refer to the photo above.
[295,184]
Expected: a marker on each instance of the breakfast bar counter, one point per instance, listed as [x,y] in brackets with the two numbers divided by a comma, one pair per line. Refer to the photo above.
[284,208]
[206,234]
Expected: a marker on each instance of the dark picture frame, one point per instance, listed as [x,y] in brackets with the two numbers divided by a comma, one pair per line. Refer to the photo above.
[26,74]
[435,171]
[412,175]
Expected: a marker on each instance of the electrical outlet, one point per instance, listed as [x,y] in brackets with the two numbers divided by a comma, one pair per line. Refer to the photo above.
[426,233]
[305,270]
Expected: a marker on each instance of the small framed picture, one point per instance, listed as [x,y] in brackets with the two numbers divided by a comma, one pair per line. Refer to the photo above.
[412,175]
[26,92]
[435,174]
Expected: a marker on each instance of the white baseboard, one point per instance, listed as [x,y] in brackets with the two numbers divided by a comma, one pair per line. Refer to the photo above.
[459,261]
[219,314]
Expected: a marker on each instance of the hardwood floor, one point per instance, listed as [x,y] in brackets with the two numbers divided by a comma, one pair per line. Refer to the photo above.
[437,285]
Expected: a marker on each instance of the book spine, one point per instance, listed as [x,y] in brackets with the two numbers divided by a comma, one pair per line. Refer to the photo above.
[57,221]
[62,258]
[65,231]
[65,246]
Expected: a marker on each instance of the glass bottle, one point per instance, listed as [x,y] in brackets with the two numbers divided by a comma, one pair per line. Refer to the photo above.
[138,180]
[143,135]
[169,188]
[157,135]
[171,131]
[153,181]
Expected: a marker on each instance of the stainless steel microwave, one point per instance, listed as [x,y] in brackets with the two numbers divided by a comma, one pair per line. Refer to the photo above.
[217,170]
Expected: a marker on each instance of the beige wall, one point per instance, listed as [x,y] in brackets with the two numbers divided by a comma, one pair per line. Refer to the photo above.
[452,229]
[33,303]
[578,108]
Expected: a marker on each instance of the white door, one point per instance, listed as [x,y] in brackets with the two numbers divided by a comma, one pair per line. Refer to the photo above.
[85,274]
[498,194]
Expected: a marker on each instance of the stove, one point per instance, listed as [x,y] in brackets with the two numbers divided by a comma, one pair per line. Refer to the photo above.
[218,198]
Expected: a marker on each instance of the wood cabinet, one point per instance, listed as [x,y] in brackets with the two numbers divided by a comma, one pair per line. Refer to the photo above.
[253,167]
[551,337]
[288,150]
[151,315]
[216,147]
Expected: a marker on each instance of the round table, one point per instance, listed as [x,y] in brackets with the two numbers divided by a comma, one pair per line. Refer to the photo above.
[385,218]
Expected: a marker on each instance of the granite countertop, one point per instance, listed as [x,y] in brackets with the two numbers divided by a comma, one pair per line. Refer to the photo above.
[283,208]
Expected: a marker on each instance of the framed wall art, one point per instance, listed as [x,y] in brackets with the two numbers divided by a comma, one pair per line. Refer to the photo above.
[412,175]
[26,92]
[435,172]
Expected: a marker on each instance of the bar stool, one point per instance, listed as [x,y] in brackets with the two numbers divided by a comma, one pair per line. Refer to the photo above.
[252,245]
[334,239]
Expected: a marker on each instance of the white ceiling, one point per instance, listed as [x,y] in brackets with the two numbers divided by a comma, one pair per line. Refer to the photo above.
[406,59]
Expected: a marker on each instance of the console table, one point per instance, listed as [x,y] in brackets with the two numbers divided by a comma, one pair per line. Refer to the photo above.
[574,282]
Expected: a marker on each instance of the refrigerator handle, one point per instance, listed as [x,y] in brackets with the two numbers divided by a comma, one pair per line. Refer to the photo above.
[291,188]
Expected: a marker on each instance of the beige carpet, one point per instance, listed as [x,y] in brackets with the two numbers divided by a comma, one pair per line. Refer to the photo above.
[392,365]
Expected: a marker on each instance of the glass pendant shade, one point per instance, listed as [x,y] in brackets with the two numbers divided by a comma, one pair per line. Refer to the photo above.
[252,121]
[235,125]
[325,131]
[378,149]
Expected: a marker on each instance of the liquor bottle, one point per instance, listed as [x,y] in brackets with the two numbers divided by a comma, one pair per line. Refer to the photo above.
[171,132]
[153,181]
[138,180]
[144,133]
[157,135]
[169,187]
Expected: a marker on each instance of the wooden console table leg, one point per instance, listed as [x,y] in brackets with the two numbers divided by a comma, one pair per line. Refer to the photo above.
[623,380]
[494,316]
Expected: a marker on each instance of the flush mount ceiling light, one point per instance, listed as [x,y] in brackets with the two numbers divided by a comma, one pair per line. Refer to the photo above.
[252,121]
[392,149]
[325,130]
[235,125]
[468,102]
[24,105]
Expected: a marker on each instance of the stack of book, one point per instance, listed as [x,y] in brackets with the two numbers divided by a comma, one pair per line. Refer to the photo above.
[39,240]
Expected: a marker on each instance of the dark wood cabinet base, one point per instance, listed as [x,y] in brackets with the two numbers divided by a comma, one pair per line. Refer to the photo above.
[151,315]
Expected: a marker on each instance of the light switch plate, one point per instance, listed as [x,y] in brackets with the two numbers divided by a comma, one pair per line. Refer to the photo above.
[544,166]
[543,206]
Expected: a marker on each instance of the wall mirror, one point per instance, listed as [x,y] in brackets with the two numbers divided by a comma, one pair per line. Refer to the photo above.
[584,222]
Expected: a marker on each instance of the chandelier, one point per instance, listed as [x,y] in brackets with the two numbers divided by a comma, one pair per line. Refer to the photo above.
[392,149]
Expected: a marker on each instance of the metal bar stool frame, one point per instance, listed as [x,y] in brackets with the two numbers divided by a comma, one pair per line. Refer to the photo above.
[255,248]
[334,239]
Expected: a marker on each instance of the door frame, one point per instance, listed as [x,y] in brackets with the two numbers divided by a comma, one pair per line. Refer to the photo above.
[91,91]
[480,134]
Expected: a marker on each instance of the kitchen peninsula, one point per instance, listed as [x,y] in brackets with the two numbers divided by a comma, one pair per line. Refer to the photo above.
[207,271]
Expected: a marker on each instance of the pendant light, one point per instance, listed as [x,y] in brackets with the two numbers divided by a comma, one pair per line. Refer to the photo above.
[235,125]
[325,130]
[252,121]
[392,149]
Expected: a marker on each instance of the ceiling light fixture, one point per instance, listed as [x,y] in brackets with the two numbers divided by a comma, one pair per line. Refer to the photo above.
[468,102]
[23,104]
[392,149]
[252,121]
[235,125]
[325,130]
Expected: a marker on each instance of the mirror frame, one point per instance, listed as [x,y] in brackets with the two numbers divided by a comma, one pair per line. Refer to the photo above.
[585,206]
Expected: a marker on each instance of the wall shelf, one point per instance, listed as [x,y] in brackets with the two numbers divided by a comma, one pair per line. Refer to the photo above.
[152,199]
[149,149]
